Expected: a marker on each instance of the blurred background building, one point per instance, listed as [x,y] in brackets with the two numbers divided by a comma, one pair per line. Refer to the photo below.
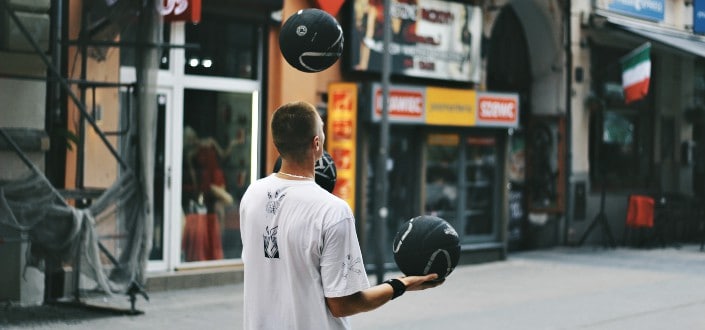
[507,118]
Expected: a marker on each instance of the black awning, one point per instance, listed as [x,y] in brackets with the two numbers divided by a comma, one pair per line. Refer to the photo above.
[678,40]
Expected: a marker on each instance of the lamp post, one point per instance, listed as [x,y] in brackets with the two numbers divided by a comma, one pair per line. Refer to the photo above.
[381,173]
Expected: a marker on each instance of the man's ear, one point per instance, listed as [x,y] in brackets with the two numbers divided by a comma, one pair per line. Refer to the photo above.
[317,142]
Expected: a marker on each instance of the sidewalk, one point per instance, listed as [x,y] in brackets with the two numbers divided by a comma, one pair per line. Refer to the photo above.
[561,288]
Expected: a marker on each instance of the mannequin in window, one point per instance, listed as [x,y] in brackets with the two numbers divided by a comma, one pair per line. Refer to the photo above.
[203,188]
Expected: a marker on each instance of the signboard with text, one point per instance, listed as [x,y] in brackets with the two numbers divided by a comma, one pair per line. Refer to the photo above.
[446,106]
[652,10]
[406,104]
[341,136]
[497,109]
[430,38]
[699,16]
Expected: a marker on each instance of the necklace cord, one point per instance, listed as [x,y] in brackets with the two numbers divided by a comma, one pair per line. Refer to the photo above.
[296,176]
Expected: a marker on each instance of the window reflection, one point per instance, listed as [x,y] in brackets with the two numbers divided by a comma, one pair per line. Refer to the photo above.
[216,163]
[227,48]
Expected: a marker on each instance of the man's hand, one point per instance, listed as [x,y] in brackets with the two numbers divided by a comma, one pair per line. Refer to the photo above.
[416,283]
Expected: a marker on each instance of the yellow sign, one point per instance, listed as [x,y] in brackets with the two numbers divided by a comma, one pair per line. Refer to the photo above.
[341,135]
[447,106]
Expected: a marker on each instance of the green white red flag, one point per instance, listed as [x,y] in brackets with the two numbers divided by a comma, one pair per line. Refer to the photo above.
[636,73]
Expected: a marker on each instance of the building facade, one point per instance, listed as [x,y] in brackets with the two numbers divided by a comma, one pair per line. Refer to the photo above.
[506,118]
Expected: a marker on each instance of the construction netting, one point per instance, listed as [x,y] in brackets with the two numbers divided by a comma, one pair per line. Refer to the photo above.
[106,243]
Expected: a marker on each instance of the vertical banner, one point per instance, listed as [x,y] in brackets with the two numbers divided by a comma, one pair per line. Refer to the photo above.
[341,135]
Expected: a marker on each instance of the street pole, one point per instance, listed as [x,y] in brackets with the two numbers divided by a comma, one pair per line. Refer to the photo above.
[381,173]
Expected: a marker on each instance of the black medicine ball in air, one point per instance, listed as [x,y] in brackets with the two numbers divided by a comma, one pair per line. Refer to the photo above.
[326,174]
[311,40]
[426,245]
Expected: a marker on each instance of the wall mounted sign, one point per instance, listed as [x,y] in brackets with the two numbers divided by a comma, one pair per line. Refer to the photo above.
[341,137]
[652,10]
[446,106]
[699,16]
[430,39]
[180,10]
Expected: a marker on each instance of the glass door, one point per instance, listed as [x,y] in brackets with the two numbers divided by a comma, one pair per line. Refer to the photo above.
[479,187]
[217,166]
[461,184]
[210,139]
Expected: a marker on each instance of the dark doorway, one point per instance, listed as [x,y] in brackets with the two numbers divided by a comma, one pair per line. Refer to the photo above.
[508,69]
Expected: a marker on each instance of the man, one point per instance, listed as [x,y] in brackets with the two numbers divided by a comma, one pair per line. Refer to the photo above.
[303,265]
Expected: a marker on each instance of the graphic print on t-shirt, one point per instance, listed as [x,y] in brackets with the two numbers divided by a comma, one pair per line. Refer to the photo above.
[351,265]
[275,199]
[271,250]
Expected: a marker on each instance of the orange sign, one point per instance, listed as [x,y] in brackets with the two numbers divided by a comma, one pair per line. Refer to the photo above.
[342,134]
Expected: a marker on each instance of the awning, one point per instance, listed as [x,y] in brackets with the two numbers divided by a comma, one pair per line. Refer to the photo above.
[678,40]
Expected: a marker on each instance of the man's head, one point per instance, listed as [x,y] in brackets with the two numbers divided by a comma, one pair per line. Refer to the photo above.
[297,131]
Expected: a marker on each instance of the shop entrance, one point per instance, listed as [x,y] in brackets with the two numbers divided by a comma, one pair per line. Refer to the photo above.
[462,183]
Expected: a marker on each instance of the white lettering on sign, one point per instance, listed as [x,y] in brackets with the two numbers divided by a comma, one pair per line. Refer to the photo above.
[497,109]
[167,7]
[656,6]
[405,104]
[700,14]
[402,103]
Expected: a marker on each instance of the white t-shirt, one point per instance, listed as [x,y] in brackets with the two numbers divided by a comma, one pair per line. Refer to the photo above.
[299,246]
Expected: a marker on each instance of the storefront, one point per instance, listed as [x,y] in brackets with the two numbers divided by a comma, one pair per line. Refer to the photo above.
[642,143]
[210,100]
[446,158]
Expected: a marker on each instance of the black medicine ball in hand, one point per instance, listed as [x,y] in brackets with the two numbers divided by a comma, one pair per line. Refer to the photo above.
[426,245]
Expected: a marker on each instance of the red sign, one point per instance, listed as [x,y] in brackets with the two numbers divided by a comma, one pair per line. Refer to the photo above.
[342,100]
[180,10]
[343,158]
[408,104]
[342,129]
[497,108]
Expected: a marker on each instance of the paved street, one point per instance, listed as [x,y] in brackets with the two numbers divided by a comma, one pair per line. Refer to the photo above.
[561,288]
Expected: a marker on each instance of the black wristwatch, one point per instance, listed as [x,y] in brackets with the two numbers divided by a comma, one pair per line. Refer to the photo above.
[397,285]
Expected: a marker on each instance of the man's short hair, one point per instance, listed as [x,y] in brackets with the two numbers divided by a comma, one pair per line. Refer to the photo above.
[293,127]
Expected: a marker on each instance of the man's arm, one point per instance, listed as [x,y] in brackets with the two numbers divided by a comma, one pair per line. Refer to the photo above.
[376,296]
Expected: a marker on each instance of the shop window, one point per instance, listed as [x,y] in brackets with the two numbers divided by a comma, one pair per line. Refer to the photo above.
[227,48]
[216,172]
[128,50]
[460,187]
[441,198]
[620,149]
[479,186]
[621,135]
